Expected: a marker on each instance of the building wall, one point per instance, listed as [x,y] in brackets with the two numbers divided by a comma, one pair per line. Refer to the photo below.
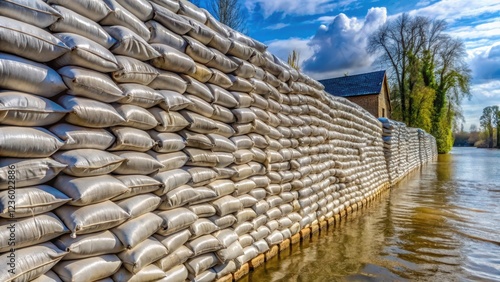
[367,102]
[384,109]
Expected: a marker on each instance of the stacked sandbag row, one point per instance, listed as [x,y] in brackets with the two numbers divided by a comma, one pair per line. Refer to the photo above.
[145,141]
[405,148]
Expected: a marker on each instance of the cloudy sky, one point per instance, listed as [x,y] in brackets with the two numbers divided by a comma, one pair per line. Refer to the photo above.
[331,36]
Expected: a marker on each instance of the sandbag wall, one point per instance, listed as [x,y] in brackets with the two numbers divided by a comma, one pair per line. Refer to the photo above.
[145,141]
[405,148]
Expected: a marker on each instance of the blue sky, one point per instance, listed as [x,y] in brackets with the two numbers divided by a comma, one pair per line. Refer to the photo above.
[332,35]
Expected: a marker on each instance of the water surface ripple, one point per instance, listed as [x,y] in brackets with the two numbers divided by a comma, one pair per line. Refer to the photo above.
[440,224]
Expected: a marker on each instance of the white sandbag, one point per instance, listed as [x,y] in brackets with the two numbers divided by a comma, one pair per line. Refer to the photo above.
[245,69]
[170,161]
[25,142]
[200,175]
[198,89]
[89,190]
[95,10]
[203,210]
[76,137]
[89,269]
[225,269]
[73,22]
[217,26]
[178,273]
[171,179]
[178,197]
[41,80]
[28,172]
[192,11]
[196,140]
[242,142]
[89,245]
[136,117]
[197,51]
[201,227]
[240,84]
[240,50]
[88,162]
[174,241]
[173,60]
[223,114]
[85,53]
[149,273]
[130,44]
[222,187]
[137,163]
[244,100]
[91,218]
[174,101]
[227,205]
[261,245]
[89,113]
[222,62]
[171,20]
[30,262]
[140,204]
[199,106]
[243,187]
[90,84]
[131,139]
[167,80]
[162,35]
[30,231]
[247,200]
[136,230]
[201,263]
[175,220]
[134,71]
[199,157]
[22,109]
[48,276]
[139,95]
[249,253]
[142,9]
[167,142]
[121,16]
[204,244]
[32,201]
[36,12]
[223,222]
[223,97]
[168,121]
[29,41]
[203,33]
[204,195]
[138,185]
[224,172]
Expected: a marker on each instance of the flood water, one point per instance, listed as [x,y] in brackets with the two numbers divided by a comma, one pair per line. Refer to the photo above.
[440,224]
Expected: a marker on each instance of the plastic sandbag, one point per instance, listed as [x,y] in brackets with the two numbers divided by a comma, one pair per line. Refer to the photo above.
[25,142]
[41,80]
[136,230]
[28,172]
[140,95]
[121,16]
[34,12]
[89,245]
[130,44]
[89,113]
[175,220]
[131,139]
[89,269]
[88,162]
[31,201]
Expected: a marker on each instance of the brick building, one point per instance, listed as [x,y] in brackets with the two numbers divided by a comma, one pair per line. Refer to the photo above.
[369,90]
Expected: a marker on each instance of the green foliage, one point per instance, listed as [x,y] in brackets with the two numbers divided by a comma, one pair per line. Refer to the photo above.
[487,122]
[294,59]
[429,75]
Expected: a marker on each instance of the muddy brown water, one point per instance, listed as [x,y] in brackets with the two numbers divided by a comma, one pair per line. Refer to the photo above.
[442,223]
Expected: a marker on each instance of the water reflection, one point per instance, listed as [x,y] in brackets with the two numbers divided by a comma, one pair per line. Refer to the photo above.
[441,224]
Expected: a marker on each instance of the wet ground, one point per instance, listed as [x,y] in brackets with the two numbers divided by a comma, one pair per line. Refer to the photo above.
[442,223]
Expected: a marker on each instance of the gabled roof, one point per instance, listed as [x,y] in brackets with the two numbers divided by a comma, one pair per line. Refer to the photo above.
[355,85]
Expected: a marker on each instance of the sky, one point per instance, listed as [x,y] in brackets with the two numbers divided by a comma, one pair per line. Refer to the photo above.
[331,36]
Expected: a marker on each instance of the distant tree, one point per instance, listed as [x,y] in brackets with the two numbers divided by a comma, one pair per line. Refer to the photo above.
[429,74]
[293,59]
[496,122]
[473,128]
[228,12]
[487,121]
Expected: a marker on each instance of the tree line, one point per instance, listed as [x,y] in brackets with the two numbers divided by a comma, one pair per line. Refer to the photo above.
[487,136]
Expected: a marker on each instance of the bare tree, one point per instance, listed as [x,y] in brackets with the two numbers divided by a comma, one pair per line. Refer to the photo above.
[293,59]
[228,12]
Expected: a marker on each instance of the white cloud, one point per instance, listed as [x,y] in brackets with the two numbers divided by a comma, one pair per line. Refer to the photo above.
[277,26]
[452,10]
[281,48]
[485,65]
[295,7]
[341,47]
